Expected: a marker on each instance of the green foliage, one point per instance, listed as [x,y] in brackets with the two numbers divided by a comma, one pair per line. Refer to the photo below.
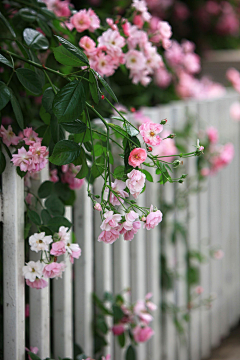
[65,152]
[35,40]
[65,57]
[29,80]
[130,353]
[5,95]
[73,50]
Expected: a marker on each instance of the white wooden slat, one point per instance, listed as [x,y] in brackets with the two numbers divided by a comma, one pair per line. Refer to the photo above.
[194,335]
[103,262]
[13,261]
[215,237]
[203,226]
[63,307]
[39,299]
[138,270]
[83,270]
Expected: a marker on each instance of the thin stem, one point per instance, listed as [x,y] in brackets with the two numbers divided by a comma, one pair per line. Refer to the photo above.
[50,81]
[10,77]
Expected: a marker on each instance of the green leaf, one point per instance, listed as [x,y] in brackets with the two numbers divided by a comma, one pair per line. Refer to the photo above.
[75,127]
[83,137]
[27,229]
[56,130]
[54,205]
[119,172]
[4,20]
[46,217]
[100,305]
[57,221]
[21,173]
[17,110]
[29,80]
[46,117]
[84,169]
[118,314]
[101,324]
[5,61]
[47,100]
[105,85]
[5,95]
[33,356]
[45,28]
[93,87]
[27,14]
[148,175]
[73,50]
[69,102]
[65,57]
[2,162]
[121,340]
[34,217]
[130,353]
[35,40]
[98,149]
[45,189]
[65,152]
[131,130]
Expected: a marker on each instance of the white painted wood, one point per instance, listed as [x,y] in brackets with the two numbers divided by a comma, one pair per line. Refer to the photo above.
[13,262]
[63,307]
[39,299]
[103,266]
[83,270]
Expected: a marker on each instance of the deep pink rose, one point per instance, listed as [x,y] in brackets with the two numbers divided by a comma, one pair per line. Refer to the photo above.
[142,334]
[118,329]
[153,219]
[137,157]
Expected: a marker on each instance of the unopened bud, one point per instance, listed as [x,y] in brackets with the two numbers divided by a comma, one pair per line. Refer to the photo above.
[163,122]
[176,163]
[184,176]
[171,136]
[132,109]
[102,97]
[180,181]
[149,149]
[143,218]
[98,206]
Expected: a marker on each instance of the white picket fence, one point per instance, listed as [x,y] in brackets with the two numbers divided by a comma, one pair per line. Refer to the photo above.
[211,216]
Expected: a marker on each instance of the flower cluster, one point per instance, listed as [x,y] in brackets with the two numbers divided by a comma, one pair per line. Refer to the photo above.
[138,317]
[69,176]
[36,272]
[216,156]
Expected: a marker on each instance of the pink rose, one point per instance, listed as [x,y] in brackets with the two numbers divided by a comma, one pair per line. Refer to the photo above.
[142,334]
[135,182]
[54,270]
[212,134]
[235,111]
[37,284]
[98,207]
[111,221]
[137,157]
[109,236]
[58,248]
[199,290]
[118,329]
[149,131]
[153,219]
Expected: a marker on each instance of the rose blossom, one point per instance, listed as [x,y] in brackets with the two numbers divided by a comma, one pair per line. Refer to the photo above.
[8,136]
[212,134]
[149,131]
[142,333]
[64,234]
[153,219]
[135,182]
[235,111]
[135,60]
[118,329]
[58,248]
[109,236]
[53,176]
[81,20]
[30,136]
[33,270]
[40,242]
[111,221]
[87,44]
[141,311]
[54,270]
[98,207]
[37,284]
[118,187]
[137,157]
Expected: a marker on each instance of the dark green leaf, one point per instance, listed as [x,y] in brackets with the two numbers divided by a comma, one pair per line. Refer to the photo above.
[34,217]
[132,131]
[97,168]
[45,189]
[2,162]
[27,14]
[29,80]
[84,168]
[83,137]
[62,190]
[75,127]
[46,229]
[119,172]
[47,100]
[17,110]
[69,102]
[35,40]
[45,28]
[73,49]
[130,353]
[65,152]
[56,130]
[71,200]
[105,85]
[57,221]
[5,95]
[4,20]
[100,305]
[93,87]
[46,217]
[148,175]
[27,229]
[118,314]
[101,324]
[5,61]
[21,173]
[65,57]
[44,116]
[121,340]
[54,205]
[33,356]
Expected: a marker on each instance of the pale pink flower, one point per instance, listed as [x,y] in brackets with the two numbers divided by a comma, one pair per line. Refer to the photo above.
[58,248]
[30,136]
[110,22]
[130,229]
[140,310]
[54,270]
[81,20]
[153,219]
[137,157]
[235,111]
[212,134]
[28,198]
[22,159]
[164,29]
[37,283]
[135,60]
[76,252]
[69,176]
[192,63]
[118,329]
[94,20]
[113,42]
[205,172]
[40,242]
[59,7]
[167,147]
[199,290]
[149,131]
[142,333]
[64,234]
[111,221]
[162,78]
[38,157]
[109,236]
[54,175]
[118,187]
[141,6]
[87,44]
[8,136]
[98,207]
[135,182]
[218,254]
[138,21]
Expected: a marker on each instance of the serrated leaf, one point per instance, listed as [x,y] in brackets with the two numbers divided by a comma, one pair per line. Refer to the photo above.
[105,85]
[54,205]
[34,217]
[45,189]
[75,127]
[5,95]
[130,353]
[73,49]
[57,221]
[148,175]
[65,57]
[5,61]
[35,40]
[121,340]
[17,110]
[69,102]
[65,152]
[29,80]
[47,100]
